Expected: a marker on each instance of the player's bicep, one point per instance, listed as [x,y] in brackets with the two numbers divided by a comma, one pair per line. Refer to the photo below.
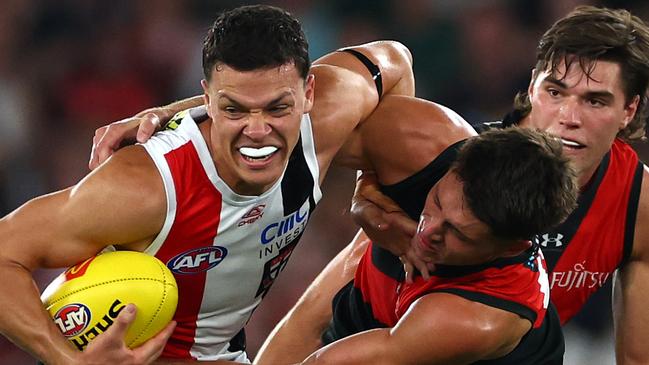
[431,332]
[62,228]
[34,234]
[442,328]
[389,70]
[341,102]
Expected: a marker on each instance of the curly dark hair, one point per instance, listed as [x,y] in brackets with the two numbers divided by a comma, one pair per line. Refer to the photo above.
[589,34]
[255,37]
[517,181]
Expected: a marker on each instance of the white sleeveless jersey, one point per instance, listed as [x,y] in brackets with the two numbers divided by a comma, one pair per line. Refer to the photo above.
[224,249]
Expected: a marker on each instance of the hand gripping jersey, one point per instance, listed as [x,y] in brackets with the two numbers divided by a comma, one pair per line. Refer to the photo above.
[596,239]
[224,249]
[379,296]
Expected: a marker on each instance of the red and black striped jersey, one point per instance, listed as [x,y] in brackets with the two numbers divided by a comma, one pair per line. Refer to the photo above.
[597,238]
[379,296]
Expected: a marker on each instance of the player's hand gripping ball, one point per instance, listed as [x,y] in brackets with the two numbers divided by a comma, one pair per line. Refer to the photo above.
[85,299]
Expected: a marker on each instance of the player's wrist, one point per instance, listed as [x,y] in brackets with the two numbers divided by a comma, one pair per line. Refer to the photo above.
[64,355]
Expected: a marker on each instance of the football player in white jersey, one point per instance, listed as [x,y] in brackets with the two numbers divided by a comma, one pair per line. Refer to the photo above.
[564,108]
[258,86]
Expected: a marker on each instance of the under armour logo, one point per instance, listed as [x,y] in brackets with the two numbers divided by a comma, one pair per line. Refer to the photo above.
[551,240]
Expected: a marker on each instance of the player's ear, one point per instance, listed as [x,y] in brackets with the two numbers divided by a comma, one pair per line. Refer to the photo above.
[206,95]
[629,111]
[309,92]
[530,87]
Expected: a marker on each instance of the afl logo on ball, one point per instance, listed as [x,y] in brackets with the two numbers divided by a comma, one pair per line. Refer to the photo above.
[197,260]
[72,319]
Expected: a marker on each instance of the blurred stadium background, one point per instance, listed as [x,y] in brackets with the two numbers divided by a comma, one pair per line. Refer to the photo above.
[70,66]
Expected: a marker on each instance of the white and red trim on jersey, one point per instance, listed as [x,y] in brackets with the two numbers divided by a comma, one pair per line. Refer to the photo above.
[224,249]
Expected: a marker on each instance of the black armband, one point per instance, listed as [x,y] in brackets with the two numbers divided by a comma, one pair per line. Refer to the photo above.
[371,67]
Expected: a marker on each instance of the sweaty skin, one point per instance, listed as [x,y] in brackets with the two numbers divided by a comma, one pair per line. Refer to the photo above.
[587,114]
[123,203]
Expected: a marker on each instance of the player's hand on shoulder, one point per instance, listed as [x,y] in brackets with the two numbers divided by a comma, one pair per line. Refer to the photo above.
[109,347]
[111,137]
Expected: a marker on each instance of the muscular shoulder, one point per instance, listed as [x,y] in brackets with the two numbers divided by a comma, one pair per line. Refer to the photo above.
[129,188]
[383,53]
[342,100]
[129,170]
[341,79]
[117,204]
[471,330]
[346,94]
[415,130]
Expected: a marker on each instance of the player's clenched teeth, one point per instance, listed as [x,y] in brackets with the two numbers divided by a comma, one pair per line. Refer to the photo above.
[257,154]
[571,144]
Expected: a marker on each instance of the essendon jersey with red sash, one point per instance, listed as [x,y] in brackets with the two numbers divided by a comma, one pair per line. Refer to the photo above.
[597,238]
[224,249]
[518,284]
[379,296]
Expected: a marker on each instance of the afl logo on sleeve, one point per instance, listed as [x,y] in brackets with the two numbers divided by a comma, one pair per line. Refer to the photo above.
[197,260]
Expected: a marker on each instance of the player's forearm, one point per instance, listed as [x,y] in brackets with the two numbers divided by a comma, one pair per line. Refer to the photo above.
[175,107]
[24,321]
[299,333]
[293,339]
[369,347]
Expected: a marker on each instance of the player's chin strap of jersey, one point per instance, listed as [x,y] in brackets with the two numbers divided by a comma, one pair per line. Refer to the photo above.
[371,67]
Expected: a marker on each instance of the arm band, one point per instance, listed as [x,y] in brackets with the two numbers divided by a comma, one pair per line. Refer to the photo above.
[371,67]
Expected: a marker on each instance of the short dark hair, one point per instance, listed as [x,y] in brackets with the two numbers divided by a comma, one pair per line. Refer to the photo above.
[255,37]
[589,34]
[517,181]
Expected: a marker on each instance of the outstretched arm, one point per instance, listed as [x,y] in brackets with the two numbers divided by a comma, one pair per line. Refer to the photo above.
[298,334]
[438,328]
[349,82]
[631,292]
[139,127]
[346,95]
[424,130]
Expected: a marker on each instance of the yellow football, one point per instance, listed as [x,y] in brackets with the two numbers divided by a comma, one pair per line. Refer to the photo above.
[86,298]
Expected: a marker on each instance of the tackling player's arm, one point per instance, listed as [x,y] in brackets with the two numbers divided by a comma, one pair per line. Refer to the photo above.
[631,291]
[140,128]
[346,94]
[299,333]
[123,202]
[358,98]
[424,130]
[438,328]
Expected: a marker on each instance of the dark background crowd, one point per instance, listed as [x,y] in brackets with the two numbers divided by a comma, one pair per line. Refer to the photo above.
[70,66]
